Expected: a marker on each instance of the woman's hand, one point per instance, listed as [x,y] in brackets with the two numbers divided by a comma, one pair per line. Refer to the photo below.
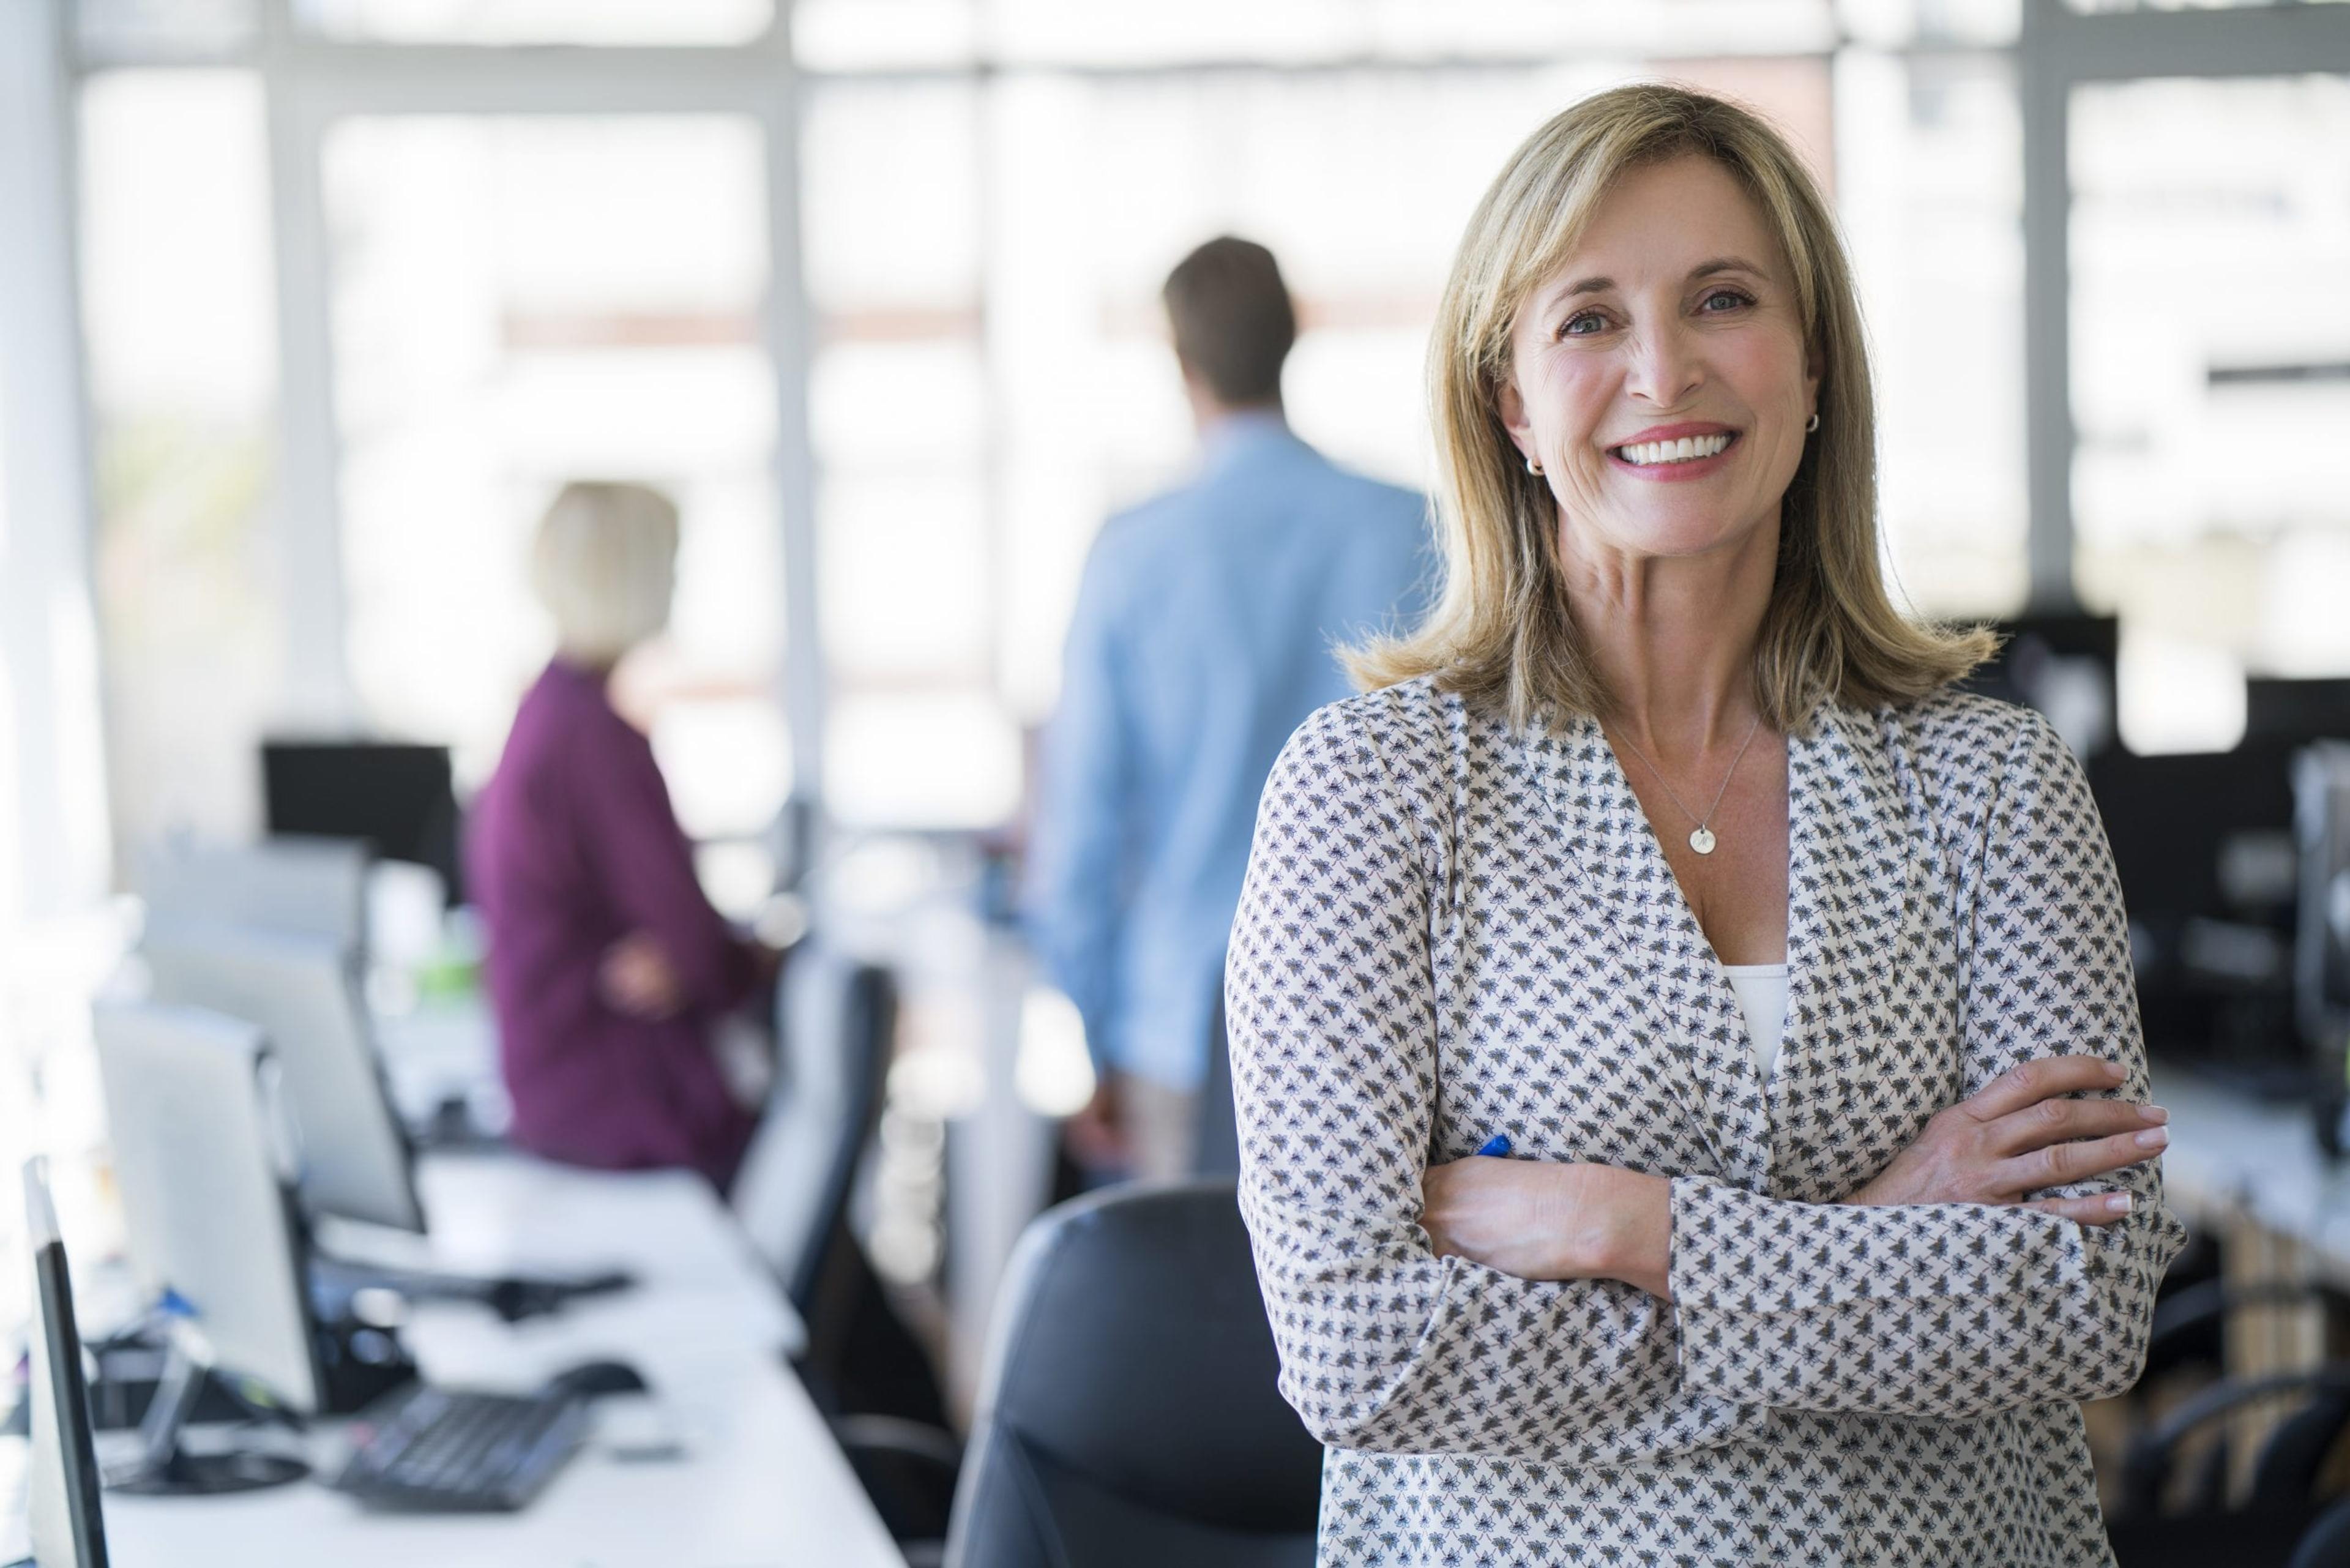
[2021,1134]
[636,977]
[1547,1221]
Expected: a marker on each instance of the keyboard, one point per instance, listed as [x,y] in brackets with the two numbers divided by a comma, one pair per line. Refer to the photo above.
[433,1449]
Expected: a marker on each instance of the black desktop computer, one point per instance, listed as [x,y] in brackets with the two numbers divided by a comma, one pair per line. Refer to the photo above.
[201,1157]
[356,1161]
[397,796]
[2295,711]
[2202,844]
[2321,781]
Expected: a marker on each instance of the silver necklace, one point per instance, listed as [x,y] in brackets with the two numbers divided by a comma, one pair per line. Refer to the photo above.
[1702,840]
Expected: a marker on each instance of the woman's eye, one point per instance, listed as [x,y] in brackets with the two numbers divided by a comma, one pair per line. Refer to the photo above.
[1583,325]
[1722,300]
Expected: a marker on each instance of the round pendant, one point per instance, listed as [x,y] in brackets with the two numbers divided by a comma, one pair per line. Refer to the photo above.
[1702,841]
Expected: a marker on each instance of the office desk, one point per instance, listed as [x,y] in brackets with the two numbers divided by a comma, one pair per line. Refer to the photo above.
[2249,1173]
[2236,1162]
[762,1481]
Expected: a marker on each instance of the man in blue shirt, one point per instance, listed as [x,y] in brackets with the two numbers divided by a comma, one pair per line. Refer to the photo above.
[1205,633]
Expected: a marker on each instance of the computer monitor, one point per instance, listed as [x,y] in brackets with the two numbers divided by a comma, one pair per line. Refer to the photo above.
[354,1159]
[2296,712]
[2202,843]
[315,887]
[350,1156]
[2320,780]
[67,1518]
[398,798]
[200,1150]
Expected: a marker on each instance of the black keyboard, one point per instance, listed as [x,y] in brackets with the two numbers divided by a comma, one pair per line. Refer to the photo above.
[424,1447]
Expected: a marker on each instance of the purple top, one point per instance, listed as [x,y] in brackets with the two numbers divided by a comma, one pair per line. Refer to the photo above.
[571,846]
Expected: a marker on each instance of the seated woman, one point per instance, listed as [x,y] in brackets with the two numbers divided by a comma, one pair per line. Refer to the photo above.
[607,967]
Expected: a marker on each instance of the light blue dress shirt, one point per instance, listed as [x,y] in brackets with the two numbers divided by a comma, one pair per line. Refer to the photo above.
[1204,634]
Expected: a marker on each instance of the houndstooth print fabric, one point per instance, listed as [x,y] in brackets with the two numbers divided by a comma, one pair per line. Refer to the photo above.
[1451,930]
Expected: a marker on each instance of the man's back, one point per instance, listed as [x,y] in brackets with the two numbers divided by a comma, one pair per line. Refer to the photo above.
[1205,633]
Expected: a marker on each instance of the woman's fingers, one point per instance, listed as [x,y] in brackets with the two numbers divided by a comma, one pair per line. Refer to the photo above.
[2035,1081]
[2096,1208]
[2059,1121]
[2060,1164]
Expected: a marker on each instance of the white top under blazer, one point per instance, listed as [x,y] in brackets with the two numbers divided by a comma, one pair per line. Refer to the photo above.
[1452,930]
[1762,992]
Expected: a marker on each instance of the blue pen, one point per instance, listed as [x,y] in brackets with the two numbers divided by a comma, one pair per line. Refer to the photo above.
[1497,1147]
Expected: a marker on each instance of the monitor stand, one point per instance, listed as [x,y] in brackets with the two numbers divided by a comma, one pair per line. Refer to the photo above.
[167,1467]
[513,1297]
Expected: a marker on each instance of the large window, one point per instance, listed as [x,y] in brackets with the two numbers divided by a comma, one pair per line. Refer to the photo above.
[2211,387]
[1929,188]
[606,22]
[521,301]
[985,197]
[992,379]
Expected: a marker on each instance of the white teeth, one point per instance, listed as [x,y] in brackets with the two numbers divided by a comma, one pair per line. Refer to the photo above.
[1686,449]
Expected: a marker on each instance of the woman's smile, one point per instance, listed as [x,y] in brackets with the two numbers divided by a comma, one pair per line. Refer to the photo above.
[1661,376]
[1676,452]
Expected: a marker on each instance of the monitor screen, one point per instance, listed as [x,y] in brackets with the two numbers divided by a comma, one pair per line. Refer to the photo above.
[201,1157]
[2296,712]
[68,1525]
[356,1162]
[397,796]
[2321,958]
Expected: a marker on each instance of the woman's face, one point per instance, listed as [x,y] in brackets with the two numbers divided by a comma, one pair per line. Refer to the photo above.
[1661,377]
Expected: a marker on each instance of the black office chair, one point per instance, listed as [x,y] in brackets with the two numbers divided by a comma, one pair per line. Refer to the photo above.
[837,1026]
[1129,1416]
[2285,1504]
[2326,1544]
[1218,1150]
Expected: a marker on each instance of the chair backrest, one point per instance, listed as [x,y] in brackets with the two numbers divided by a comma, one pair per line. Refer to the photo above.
[1129,1413]
[302,887]
[2327,1542]
[1218,1149]
[837,1019]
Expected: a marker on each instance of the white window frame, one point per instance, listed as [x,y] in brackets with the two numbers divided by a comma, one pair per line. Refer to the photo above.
[2060,49]
[310,84]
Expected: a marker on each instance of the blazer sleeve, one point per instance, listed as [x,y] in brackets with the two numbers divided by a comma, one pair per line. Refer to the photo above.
[640,856]
[1332,1014]
[1957,1310]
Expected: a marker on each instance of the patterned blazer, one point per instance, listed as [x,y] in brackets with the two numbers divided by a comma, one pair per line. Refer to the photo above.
[1451,930]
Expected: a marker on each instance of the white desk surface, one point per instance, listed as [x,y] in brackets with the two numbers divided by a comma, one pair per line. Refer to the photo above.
[2231,1154]
[762,1481]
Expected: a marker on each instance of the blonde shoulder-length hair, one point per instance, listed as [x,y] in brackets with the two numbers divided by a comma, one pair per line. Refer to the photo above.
[605,564]
[1502,632]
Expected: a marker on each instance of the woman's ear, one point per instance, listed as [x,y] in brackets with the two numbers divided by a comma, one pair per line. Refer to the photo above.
[1512,407]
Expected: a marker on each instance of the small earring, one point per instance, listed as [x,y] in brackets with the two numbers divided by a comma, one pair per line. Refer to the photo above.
[1533,467]
[1813,426]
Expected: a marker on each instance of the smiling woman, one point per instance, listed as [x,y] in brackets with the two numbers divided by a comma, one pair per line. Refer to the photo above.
[1797,981]
[1739,232]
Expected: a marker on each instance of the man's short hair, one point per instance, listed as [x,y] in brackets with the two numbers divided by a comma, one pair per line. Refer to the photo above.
[1232,320]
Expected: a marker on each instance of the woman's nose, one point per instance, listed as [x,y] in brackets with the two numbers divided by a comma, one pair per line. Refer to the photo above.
[1666,367]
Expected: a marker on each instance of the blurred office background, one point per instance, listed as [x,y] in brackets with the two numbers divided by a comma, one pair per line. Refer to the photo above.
[307,307]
